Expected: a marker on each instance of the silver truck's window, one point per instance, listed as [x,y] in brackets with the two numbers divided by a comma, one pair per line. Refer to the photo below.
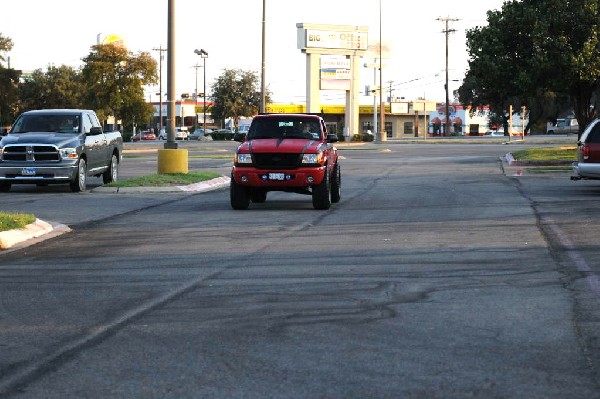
[87,123]
[47,123]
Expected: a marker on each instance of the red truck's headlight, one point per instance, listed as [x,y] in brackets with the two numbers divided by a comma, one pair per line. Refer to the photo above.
[245,159]
[313,158]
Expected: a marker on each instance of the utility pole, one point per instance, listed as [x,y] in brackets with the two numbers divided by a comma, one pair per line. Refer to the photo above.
[447,31]
[263,84]
[390,82]
[383,134]
[171,117]
[160,57]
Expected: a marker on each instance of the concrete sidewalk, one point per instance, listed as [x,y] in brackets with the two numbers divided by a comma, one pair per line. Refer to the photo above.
[41,230]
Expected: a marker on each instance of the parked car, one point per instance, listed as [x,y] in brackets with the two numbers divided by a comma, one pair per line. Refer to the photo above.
[222,134]
[587,165]
[144,135]
[181,133]
[563,126]
[241,132]
[198,134]
[494,133]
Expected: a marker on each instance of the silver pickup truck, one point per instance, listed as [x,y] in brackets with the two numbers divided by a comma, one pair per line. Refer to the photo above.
[563,126]
[58,146]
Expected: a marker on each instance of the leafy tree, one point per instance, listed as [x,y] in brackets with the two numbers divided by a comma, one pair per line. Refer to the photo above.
[6,44]
[114,78]
[544,54]
[9,79]
[59,87]
[236,93]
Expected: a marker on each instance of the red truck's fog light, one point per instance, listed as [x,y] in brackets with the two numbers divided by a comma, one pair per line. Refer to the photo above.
[244,179]
[310,179]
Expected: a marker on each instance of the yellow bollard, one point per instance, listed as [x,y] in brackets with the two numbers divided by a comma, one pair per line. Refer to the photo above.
[172,161]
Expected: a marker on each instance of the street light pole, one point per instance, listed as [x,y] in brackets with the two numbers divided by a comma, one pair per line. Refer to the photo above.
[160,114]
[171,143]
[204,94]
[204,55]
[263,89]
[196,99]
[383,134]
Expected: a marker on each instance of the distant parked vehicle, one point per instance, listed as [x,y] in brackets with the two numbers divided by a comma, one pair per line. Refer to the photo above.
[241,132]
[494,133]
[588,153]
[198,134]
[181,133]
[145,135]
[563,126]
[222,134]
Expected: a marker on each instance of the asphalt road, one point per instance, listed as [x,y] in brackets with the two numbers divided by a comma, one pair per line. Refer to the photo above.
[437,276]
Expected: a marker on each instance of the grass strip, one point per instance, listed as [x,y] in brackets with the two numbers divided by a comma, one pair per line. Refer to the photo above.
[9,221]
[158,180]
[561,153]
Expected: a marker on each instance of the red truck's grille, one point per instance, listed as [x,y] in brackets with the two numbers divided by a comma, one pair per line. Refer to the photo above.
[30,153]
[277,161]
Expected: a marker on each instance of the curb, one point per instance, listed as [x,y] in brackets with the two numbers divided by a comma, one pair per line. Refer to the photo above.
[199,187]
[516,168]
[513,162]
[11,238]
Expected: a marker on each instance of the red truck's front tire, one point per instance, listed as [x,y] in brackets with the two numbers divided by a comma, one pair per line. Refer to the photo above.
[336,184]
[238,195]
[321,193]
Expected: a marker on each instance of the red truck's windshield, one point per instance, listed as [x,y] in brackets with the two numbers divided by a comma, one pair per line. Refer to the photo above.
[285,127]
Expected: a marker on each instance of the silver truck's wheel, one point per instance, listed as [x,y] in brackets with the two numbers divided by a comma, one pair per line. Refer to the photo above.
[112,173]
[78,184]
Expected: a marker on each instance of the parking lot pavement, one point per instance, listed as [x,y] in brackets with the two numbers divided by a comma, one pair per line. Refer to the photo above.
[41,230]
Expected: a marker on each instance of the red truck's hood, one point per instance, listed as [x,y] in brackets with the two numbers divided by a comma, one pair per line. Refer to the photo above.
[290,146]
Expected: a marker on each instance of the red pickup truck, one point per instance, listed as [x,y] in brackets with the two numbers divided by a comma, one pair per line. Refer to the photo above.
[286,152]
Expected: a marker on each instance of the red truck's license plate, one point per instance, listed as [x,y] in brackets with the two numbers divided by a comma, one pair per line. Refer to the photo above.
[276,176]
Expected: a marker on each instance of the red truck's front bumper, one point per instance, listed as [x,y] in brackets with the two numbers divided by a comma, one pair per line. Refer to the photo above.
[282,178]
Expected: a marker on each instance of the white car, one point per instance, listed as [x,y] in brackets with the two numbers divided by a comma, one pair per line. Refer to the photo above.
[199,134]
[495,133]
[181,133]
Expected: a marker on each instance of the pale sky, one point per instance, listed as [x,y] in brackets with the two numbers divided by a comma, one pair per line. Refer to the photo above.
[61,32]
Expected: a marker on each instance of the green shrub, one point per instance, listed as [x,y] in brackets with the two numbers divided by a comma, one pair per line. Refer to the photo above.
[363,137]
